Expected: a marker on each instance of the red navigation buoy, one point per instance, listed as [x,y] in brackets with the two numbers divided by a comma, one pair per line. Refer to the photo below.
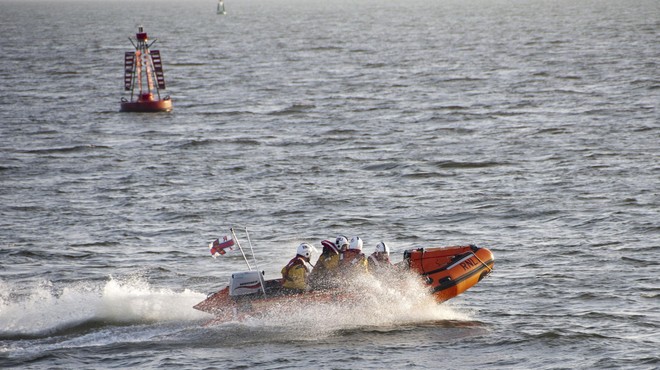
[141,68]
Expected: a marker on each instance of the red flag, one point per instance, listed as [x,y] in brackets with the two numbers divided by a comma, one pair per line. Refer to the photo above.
[221,247]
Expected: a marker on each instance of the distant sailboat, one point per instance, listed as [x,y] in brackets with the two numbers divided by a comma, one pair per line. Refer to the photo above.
[221,7]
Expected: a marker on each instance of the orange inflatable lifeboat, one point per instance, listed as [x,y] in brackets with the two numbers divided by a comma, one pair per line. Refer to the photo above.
[144,77]
[450,271]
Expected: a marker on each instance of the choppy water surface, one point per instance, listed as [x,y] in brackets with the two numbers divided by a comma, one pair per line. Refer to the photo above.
[529,127]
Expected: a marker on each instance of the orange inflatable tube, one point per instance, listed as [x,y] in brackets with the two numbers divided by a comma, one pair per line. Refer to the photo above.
[450,271]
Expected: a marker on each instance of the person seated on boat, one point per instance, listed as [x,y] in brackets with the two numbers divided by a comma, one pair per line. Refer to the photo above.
[324,274]
[380,259]
[296,272]
[341,243]
[353,260]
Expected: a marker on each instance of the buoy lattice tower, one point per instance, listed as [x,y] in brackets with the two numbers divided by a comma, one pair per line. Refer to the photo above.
[144,77]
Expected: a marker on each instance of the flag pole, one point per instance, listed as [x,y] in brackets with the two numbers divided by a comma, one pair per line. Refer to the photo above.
[239,247]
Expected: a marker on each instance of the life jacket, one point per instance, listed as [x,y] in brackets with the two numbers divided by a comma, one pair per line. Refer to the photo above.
[325,272]
[353,260]
[329,259]
[294,274]
[327,262]
[379,261]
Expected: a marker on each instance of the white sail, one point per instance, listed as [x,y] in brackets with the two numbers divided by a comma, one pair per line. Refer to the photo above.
[221,7]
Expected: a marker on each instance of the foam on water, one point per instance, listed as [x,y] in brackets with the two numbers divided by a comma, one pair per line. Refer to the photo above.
[381,303]
[45,311]
[374,302]
[131,310]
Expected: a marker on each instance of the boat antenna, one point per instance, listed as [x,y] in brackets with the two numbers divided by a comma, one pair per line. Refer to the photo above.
[233,234]
[263,289]
[254,258]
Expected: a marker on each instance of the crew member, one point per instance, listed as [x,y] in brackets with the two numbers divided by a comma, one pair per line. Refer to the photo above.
[380,259]
[324,274]
[341,243]
[353,260]
[296,272]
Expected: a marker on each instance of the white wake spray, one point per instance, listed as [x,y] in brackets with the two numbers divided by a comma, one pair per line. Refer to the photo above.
[45,310]
[385,301]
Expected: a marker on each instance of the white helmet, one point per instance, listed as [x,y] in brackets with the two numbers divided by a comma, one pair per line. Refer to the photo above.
[305,250]
[356,243]
[383,248]
[341,243]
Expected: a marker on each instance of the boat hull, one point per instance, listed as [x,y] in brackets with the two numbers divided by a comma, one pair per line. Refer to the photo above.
[227,308]
[148,106]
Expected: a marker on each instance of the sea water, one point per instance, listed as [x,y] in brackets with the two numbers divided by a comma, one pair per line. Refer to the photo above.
[527,127]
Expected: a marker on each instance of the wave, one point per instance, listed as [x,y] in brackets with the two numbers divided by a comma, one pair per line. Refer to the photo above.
[640,261]
[215,143]
[68,149]
[193,143]
[293,109]
[381,167]
[457,165]
[462,79]
[321,48]
[187,64]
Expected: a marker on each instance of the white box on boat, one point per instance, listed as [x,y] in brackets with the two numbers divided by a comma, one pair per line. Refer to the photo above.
[247,282]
